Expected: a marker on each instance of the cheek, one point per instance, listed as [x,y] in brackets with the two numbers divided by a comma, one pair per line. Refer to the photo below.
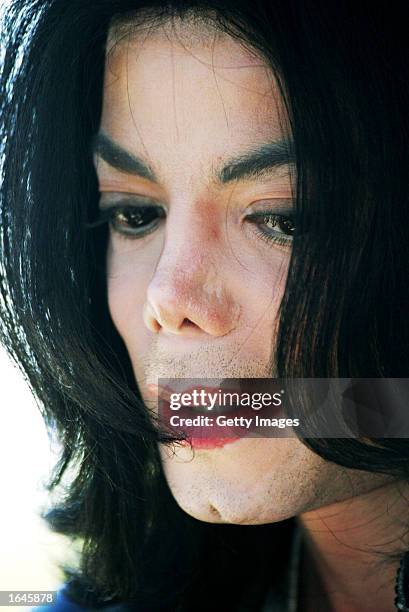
[129,270]
[262,284]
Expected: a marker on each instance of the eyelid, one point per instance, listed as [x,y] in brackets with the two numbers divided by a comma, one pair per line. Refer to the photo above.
[118,200]
[283,206]
[119,184]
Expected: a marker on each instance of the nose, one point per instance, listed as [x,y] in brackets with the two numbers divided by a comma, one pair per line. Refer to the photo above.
[188,294]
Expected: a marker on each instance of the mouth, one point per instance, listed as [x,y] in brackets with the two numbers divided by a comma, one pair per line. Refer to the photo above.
[202,415]
[205,428]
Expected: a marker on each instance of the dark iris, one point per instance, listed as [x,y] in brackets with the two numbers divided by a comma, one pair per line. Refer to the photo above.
[135,218]
[285,224]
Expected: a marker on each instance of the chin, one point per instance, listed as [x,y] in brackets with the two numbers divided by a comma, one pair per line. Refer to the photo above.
[240,483]
[227,504]
[257,481]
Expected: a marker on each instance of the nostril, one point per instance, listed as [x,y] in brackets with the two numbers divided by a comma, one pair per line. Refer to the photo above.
[188,323]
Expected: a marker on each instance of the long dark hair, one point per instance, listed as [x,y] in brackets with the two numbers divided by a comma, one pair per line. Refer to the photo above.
[344,76]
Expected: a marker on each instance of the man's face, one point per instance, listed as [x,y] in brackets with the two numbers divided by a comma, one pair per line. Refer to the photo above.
[195,278]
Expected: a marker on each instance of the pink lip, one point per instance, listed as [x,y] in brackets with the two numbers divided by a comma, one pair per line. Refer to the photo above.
[196,435]
[209,443]
[203,428]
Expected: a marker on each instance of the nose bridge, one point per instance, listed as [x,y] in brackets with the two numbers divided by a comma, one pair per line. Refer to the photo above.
[189,285]
[191,247]
[182,269]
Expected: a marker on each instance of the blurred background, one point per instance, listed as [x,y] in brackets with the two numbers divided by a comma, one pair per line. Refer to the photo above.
[29,551]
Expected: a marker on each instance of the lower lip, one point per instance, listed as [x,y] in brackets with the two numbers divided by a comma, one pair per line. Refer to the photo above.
[208,443]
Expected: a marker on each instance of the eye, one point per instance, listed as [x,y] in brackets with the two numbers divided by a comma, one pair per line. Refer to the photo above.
[130,220]
[273,227]
[134,221]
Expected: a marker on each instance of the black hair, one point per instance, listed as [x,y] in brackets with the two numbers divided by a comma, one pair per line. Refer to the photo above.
[344,76]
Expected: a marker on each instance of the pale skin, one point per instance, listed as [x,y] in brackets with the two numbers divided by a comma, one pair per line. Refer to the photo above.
[198,295]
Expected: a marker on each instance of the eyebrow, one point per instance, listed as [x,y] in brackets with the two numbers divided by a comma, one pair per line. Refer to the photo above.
[262,158]
[120,159]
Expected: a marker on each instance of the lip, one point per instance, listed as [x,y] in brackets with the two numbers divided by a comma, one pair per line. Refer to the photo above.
[198,435]
[207,423]
[209,443]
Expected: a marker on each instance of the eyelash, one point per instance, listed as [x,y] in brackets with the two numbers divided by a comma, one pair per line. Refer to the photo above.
[110,215]
[272,236]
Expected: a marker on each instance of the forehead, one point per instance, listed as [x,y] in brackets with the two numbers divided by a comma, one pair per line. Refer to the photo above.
[187,91]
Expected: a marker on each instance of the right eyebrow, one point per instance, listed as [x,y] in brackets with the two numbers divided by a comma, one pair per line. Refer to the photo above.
[120,159]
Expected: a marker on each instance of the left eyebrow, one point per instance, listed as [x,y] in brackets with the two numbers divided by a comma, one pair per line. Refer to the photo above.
[250,165]
[121,159]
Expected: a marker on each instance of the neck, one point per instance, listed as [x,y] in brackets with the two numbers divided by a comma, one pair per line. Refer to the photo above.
[352,551]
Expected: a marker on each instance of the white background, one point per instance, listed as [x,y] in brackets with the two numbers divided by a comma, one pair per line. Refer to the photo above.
[29,551]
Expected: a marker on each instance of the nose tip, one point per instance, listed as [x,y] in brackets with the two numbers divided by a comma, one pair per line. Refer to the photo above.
[156,319]
[188,311]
